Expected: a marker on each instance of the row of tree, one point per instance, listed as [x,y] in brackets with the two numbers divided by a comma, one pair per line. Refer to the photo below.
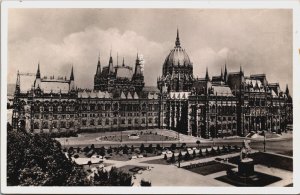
[187,156]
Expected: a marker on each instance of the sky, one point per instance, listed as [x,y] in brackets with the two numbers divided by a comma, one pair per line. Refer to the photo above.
[259,40]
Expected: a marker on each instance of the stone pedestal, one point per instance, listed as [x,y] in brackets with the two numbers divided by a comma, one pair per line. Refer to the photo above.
[246,167]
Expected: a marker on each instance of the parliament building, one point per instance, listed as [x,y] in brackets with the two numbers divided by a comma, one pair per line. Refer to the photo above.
[228,104]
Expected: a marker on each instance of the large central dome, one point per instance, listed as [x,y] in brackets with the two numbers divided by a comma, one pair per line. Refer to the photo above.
[177,72]
[177,56]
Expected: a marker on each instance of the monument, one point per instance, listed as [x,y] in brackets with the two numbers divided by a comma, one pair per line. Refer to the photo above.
[246,164]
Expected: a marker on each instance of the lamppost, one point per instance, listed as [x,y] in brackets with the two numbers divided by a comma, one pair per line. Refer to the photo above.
[264,141]
[119,127]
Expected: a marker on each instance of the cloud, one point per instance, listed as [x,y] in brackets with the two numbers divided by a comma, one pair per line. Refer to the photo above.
[259,40]
[82,49]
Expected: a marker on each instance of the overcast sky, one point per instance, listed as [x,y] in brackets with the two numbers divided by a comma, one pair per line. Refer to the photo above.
[258,40]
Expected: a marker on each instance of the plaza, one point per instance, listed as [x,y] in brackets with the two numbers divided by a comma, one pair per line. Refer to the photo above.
[207,170]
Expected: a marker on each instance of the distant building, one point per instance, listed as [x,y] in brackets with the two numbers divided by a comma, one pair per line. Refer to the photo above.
[224,105]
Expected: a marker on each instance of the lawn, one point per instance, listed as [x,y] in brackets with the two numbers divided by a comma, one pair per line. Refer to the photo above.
[258,180]
[157,161]
[142,137]
[208,168]
[132,169]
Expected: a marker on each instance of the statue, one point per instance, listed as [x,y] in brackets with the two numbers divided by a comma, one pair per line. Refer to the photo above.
[246,149]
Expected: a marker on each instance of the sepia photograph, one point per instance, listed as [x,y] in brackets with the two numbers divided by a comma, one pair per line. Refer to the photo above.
[148,97]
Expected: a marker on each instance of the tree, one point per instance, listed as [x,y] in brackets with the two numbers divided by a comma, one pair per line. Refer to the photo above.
[194,154]
[236,148]
[198,143]
[89,163]
[180,156]
[172,160]
[166,157]
[158,147]
[218,150]
[213,151]
[145,183]
[142,148]
[109,150]
[114,177]
[173,147]
[92,146]
[229,148]
[206,152]
[224,149]
[37,160]
[102,151]
[200,152]
[132,148]
[187,156]
[150,148]
[125,149]
[86,149]
[71,150]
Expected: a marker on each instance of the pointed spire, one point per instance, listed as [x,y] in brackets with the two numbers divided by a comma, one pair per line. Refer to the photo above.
[110,63]
[18,83]
[123,64]
[177,42]
[117,59]
[241,70]
[225,73]
[287,91]
[98,72]
[38,73]
[136,63]
[206,75]
[72,74]
[221,73]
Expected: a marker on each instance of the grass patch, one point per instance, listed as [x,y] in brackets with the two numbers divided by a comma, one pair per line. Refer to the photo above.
[160,161]
[132,169]
[208,168]
[257,180]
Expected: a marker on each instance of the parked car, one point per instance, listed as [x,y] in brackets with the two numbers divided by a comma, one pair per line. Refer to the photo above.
[134,157]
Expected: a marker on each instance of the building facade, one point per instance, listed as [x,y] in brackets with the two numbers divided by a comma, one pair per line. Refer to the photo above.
[225,105]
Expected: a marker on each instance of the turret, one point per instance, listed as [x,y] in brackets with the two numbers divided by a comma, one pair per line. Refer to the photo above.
[138,68]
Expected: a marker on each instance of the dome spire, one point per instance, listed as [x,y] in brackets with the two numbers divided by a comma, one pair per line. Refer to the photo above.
[177,42]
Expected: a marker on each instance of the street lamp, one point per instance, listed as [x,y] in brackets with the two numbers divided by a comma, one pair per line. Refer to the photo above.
[264,141]
[119,127]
